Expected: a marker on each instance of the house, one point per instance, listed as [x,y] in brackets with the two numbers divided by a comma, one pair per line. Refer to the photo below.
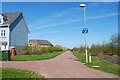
[13,30]
[40,43]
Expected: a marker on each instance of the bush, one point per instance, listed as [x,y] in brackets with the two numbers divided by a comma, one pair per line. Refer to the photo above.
[114,58]
[80,49]
[27,50]
[36,50]
[45,50]
[110,48]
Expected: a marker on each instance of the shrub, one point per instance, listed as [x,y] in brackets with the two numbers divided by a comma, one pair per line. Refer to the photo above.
[26,50]
[39,50]
[36,50]
[45,50]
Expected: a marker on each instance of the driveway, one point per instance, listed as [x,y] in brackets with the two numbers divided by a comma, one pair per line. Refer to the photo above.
[63,66]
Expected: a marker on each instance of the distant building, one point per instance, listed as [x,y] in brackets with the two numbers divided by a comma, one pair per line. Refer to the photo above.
[58,46]
[40,43]
[13,30]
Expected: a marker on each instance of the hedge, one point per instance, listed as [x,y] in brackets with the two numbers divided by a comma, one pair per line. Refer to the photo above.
[28,50]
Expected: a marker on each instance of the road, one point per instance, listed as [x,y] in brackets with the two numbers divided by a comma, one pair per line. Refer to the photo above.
[65,65]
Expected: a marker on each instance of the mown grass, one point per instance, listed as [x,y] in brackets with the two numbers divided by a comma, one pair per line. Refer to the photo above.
[103,64]
[17,73]
[35,57]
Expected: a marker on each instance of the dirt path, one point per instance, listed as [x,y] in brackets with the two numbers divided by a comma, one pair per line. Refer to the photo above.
[63,66]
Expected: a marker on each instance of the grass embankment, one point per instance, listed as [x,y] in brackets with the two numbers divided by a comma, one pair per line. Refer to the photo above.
[35,57]
[17,73]
[103,64]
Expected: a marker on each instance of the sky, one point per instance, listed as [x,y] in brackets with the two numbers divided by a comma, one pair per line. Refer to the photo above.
[62,22]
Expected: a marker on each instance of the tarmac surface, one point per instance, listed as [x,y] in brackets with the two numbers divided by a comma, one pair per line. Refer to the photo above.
[65,65]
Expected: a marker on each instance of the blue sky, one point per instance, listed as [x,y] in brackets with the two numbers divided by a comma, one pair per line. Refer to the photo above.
[62,22]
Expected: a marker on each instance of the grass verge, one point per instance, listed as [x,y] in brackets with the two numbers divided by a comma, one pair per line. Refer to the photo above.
[103,64]
[44,56]
[17,73]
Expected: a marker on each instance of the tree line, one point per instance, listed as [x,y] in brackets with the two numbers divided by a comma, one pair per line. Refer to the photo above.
[111,48]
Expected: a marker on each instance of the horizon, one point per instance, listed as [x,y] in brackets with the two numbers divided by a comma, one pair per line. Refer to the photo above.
[61,23]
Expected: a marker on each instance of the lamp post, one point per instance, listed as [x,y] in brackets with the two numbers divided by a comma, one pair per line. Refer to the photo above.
[85,30]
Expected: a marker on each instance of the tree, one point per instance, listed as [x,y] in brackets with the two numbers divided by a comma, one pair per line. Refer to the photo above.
[114,43]
[114,40]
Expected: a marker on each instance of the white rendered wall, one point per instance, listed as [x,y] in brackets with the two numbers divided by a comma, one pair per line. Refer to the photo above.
[5,38]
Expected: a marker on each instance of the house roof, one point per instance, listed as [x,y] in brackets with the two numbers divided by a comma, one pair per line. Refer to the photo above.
[41,42]
[13,19]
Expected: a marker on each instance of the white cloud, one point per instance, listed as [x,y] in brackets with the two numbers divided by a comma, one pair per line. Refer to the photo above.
[62,18]
[103,16]
[56,24]
[47,32]
[55,19]
[70,21]
[64,13]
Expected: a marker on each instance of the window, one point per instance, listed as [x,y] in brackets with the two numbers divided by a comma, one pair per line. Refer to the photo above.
[2,33]
[0,20]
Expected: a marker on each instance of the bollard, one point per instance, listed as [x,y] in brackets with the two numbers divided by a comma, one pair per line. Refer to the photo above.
[89,59]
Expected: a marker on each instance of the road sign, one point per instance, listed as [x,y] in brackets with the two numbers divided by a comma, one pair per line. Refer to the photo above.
[85,31]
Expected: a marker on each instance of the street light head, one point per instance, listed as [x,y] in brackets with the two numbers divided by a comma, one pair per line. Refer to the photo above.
[82,5]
